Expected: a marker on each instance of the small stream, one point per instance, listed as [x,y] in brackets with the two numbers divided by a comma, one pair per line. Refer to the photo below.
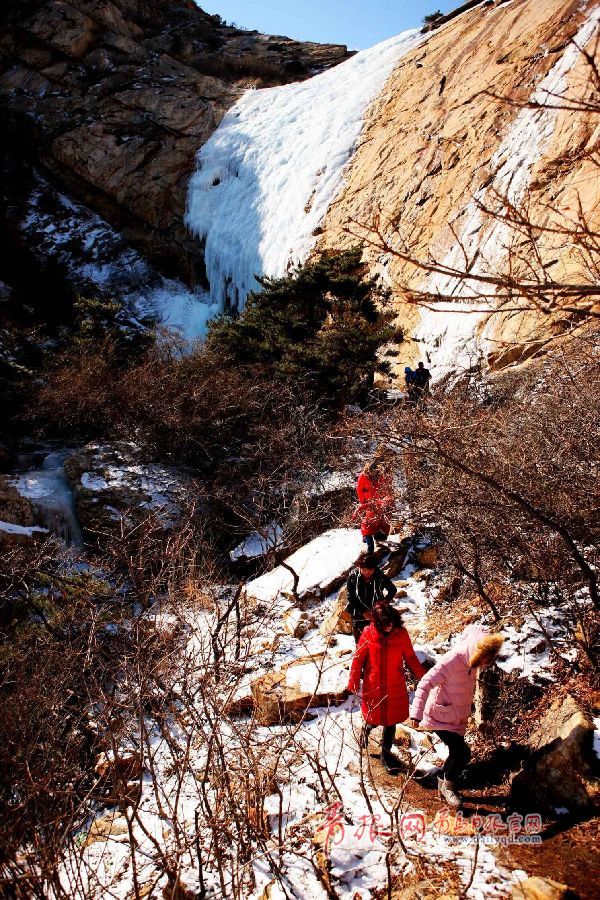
[40,477]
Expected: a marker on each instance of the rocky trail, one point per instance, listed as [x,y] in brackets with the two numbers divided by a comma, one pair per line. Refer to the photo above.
[328,808]
[328,821]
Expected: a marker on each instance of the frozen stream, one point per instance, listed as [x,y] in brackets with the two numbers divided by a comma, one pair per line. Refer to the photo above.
[47,489]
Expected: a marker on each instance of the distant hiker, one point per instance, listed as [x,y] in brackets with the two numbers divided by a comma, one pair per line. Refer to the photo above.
[378,660]
[443,699]
[366,585]
[409,380]
[375,503]
[422,377]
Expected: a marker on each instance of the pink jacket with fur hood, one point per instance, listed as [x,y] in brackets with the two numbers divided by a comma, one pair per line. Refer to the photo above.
[444,696]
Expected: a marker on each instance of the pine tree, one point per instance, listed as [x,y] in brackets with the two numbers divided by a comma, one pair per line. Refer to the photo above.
[320,326]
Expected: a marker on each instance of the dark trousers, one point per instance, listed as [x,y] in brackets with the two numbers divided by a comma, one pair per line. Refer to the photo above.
[458,755]
[358,626]
[389,732]
[369,540]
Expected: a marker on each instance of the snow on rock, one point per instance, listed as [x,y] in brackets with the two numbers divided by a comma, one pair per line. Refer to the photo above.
[24,530]
[154,483]
[319,565]
[258,543]
[329,482]
[115,485]
[525,648]
[448,329]
[286,694]
[97,258]
[94,482]
[267,175]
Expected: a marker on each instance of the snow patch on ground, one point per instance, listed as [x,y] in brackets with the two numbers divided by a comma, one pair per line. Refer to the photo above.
[526,650]
[267,175]
[346,787]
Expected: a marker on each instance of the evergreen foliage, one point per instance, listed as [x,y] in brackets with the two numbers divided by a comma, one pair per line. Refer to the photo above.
[98,321]
[320,326]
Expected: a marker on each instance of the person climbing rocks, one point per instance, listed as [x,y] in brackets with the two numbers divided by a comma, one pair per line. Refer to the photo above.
[443,700]
[366,586]
[375,503]
[384,647]
[421,379]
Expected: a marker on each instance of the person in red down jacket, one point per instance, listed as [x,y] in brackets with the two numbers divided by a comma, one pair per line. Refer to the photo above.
[443,700]
[379,660]
[375,503]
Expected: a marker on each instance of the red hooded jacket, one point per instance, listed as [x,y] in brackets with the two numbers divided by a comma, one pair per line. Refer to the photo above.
[375,504]
[379,660]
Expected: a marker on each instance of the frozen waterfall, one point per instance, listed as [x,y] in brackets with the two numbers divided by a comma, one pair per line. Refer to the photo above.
[267,175]
[51,497]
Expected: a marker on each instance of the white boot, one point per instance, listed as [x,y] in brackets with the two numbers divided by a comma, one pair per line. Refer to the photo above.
[448,794]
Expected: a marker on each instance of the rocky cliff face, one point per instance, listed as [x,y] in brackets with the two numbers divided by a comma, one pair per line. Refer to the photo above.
[439,136]
[115,98]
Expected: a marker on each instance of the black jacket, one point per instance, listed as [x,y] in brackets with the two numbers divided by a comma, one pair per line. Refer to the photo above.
[422,377]
[362,595]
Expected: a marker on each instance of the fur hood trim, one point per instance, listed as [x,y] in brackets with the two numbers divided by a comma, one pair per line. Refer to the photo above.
[488,645]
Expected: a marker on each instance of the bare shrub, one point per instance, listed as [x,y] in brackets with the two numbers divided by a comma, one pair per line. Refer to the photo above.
[506,471]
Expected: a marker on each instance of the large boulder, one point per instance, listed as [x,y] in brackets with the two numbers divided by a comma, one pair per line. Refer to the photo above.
[313,571]
[312,681]
[563,769]
[338,620]
[115,489]
[537,888]
[17,520]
